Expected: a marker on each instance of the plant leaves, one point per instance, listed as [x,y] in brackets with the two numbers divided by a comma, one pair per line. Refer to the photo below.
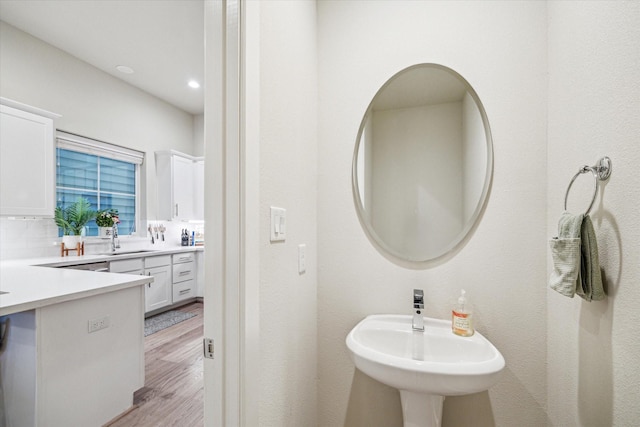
[74,218]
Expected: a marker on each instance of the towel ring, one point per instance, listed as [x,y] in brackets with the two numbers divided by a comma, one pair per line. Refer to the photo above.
[601,172]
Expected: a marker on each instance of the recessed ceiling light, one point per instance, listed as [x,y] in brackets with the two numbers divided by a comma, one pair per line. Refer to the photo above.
[193,84]
[124,69]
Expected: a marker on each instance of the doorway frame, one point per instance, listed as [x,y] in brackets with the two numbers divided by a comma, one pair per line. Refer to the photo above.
[232,218]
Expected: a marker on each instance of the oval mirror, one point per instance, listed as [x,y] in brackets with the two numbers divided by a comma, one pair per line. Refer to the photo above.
[422,164]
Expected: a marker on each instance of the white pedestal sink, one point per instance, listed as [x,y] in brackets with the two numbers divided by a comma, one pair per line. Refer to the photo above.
[424,366]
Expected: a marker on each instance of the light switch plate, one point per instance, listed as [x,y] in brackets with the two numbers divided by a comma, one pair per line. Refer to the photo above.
[278,224]
[302,258]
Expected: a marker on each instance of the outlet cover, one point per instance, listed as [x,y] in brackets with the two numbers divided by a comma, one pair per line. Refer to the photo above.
[97,324]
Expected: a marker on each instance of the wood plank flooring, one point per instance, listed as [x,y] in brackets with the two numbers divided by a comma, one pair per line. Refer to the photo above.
[174,388]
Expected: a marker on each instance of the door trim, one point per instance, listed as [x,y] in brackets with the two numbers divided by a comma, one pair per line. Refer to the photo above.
[231,315]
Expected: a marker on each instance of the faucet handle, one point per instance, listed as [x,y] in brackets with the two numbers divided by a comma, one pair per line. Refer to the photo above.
[418,298]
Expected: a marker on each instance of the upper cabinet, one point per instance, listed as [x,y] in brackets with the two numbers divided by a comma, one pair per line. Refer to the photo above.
[199,188]
[27,161]
[180,181]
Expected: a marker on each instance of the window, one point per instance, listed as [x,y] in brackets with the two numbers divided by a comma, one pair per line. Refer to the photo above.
[104,174]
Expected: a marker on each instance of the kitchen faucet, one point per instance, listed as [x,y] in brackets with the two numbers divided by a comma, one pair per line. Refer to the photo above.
[115,242]
[418,306]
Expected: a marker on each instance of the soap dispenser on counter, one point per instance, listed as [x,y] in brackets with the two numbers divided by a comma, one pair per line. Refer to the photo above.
[462,316]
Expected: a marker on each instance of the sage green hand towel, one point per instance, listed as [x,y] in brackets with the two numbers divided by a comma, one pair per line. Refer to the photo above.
[590,283]
[576,266]
[565,251]
[566,265]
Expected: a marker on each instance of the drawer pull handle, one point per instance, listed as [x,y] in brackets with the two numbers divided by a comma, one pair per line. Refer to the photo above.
[184,273]
[184,291]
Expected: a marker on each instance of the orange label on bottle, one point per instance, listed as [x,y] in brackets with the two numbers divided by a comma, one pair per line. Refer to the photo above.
[461,323]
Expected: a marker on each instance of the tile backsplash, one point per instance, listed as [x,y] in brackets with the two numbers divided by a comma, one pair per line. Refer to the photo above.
[28,238]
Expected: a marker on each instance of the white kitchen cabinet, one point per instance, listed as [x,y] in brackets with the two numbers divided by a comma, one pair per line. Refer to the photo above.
[158,294]
[27,161]
[127,266]
[178,177]
[200,274]
[184,275]
[183,188]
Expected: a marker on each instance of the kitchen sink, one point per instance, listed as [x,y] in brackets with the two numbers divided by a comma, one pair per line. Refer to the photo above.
[135,251]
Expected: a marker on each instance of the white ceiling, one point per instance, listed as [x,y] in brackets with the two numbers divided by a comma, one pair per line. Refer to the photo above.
[162,40]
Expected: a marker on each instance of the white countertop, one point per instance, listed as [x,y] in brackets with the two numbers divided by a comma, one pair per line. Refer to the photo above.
[32,287]
[33,283]
[59,261]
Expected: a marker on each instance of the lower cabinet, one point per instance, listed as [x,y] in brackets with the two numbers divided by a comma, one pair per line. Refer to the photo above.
[184,270]
[200,274]
[157,294]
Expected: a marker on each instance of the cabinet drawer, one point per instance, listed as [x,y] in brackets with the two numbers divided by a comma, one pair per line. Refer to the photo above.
[184,290]
[125,265]
[183,271]
[188,257]
[157,261]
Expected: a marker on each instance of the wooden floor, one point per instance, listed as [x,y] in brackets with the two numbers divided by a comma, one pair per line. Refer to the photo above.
[173,393]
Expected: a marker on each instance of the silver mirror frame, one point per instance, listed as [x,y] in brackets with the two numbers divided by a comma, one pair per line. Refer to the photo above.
[456,243]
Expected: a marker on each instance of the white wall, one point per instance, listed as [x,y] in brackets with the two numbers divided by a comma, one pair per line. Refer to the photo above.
[92,104]
[594,110]
[500,48]
[288,157]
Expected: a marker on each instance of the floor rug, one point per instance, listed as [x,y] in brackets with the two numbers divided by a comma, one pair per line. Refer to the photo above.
[162,321]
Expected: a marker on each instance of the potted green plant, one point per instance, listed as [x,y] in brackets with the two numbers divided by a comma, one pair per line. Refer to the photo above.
[73,219]
[105,219]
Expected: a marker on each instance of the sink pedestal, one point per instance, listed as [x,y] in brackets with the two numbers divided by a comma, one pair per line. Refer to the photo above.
[432,364]
[421,410]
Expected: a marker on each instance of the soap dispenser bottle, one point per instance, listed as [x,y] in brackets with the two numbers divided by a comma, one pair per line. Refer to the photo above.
[462,316]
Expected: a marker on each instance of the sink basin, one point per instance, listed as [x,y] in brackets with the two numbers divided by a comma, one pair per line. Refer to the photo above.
[424,366]
[135,251]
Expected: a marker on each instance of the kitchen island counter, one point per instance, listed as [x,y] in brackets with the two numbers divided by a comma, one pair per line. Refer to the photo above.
[30,287]
[73,344]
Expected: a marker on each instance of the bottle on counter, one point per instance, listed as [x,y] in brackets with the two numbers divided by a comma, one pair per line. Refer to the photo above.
[184,238]
[462,316]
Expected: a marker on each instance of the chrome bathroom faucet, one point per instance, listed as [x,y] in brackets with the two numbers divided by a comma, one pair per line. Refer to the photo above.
[418,306]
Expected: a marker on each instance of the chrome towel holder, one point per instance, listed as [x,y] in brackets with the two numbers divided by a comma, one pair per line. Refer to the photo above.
[601,172]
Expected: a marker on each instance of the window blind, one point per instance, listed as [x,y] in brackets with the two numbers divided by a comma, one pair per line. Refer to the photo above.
[69,141]
[104,174]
